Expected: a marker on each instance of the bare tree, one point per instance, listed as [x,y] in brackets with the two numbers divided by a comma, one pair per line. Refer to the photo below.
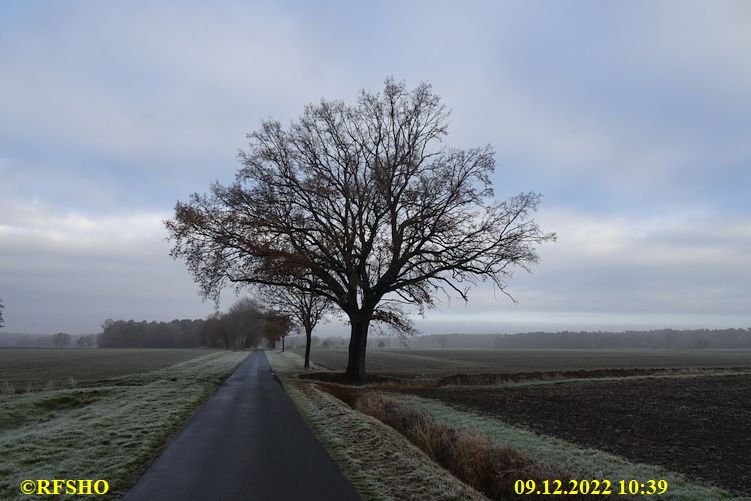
[243,321]
[87,341]
[61,339]
[277,325]
[2,322]
[304,308]
[214,331]
[361,204]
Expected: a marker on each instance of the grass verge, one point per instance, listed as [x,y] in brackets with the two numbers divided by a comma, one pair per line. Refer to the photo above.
[110,432]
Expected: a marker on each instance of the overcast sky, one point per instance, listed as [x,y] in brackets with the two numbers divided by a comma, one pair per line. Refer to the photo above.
[632,118]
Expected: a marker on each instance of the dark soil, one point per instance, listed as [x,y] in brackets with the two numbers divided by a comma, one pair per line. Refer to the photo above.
[518,377]
[389,381]
[699,426]
[342,378]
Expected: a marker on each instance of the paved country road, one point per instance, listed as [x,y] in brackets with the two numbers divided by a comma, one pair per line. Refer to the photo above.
[248,442]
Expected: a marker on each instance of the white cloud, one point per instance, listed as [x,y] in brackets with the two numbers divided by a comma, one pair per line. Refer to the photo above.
[699,238]
[34,225]
[688,269]
[68,271]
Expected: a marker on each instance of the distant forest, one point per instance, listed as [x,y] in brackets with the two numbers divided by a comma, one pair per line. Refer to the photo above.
[133,334]
[118,334]
[216,333]
[699,339]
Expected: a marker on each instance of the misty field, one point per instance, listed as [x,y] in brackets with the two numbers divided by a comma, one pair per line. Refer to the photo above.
[23,369]
[448,362]
[111,428]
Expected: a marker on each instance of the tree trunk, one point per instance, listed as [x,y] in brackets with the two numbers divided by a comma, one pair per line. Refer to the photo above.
[308,333]
[357,344]
[282,343]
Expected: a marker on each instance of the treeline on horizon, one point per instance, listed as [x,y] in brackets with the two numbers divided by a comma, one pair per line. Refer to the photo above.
[121,334]
[246,331]
[142,334]
[244,325]
[671,339]
[224,333]
[214,332]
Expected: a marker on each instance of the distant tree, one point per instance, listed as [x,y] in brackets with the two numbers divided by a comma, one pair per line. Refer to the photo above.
[277,325]
[88,341]
[244,323]
[305,310]
[443,341]
[362,204]
[215,332]
[381,343]
[61,339]
[2,322]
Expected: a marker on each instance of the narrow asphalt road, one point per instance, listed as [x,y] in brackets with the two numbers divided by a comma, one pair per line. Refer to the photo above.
[248,442]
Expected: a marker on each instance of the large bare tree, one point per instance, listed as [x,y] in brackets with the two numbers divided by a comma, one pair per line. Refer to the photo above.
[361,204]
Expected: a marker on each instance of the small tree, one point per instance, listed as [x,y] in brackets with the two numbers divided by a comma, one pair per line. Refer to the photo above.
[2,322]
[61,339]
[87,341]
[277,325]
[361,204]
[303,308]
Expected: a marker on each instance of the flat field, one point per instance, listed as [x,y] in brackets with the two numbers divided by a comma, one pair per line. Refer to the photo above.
[448,362]
[23,369]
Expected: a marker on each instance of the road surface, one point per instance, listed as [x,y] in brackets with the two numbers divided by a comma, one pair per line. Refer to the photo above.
[248,442]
